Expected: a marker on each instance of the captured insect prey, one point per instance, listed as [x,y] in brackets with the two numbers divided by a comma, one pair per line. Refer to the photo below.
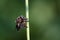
[21,22]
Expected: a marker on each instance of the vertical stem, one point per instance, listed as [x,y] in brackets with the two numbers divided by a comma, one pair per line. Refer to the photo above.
[27,16]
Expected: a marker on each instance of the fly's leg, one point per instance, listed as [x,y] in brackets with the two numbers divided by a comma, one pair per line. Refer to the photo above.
[25,24]
[17,27]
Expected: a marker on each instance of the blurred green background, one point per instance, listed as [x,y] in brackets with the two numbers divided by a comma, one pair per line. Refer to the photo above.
[44,19]
[9,11]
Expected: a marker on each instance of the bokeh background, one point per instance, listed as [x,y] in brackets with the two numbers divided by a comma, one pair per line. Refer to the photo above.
[44,19]
[9,11]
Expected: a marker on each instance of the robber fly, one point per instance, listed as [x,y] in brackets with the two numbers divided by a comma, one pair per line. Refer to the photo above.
[21,22]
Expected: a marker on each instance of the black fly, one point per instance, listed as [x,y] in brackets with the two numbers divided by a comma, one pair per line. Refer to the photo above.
[21,22]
